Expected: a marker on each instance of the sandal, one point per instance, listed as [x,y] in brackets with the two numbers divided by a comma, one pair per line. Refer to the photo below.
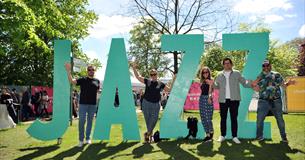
[146,137]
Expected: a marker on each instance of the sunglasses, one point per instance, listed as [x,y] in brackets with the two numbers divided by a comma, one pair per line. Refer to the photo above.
[154,74]
[265,65]
[90,70]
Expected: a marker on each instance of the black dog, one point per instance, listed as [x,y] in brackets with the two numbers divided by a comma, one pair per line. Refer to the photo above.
[192,126]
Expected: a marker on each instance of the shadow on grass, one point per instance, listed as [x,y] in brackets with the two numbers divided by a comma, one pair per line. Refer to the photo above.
[139,152]
[248,150]
[3,147]
[101,151]
[173,149]
[206,150]
[39,151]
[68,153]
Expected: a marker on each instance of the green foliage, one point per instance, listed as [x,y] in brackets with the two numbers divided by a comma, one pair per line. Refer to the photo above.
[145,48]
[28,30]
[213,59]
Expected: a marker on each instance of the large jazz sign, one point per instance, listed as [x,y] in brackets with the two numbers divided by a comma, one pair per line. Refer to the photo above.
[117,76]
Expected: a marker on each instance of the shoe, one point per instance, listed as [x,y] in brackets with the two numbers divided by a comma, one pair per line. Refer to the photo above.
[88,141]
[207,139]
[285,140]
[211,135]
[80,144]
[236,140]
[146,137]
[221,139]
[259,138]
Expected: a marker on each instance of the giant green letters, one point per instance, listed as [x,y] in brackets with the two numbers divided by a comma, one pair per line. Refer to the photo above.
[61,97]
[117,75]
[171,124]
[258,45]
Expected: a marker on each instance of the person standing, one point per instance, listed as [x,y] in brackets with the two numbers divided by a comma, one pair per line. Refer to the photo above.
[205,104]
[227,81]
[268,86]
[44,103]
[151,99]
[36,102]
[75,103]
[26,105]
[89,87]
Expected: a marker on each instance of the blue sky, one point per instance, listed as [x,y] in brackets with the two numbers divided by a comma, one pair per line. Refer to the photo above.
[286,18]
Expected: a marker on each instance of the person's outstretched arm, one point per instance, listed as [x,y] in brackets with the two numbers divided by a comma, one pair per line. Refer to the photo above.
[68,69]
[168,88]
[140,78]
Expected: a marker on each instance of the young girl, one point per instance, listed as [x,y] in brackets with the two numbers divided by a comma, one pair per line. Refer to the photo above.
[206,104]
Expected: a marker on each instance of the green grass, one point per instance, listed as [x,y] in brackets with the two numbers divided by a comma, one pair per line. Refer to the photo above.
[17,144]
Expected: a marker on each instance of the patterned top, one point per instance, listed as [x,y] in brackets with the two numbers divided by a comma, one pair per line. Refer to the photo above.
[270,84]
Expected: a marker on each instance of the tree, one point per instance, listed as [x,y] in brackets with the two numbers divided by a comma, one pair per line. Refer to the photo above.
[186,16]
[145,48]
[212,59]
[298,44]
[282,56]
[28,30]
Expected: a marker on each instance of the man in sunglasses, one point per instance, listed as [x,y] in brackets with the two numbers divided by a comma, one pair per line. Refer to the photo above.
[268,86]
[89,87]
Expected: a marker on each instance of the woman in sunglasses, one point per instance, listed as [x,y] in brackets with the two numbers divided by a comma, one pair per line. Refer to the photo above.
[206,104]
[151,100]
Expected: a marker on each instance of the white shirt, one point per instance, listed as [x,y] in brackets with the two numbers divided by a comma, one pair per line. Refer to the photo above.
[227,75]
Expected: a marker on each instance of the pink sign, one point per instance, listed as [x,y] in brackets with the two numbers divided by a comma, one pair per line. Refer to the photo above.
[192,99]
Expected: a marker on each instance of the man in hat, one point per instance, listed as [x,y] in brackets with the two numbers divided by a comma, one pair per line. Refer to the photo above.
[268,86]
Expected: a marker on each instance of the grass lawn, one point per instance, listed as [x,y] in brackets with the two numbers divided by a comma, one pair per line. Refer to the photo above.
[17,144]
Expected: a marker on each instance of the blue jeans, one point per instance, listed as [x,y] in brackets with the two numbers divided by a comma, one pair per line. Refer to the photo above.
[151,113]
[276,108]
[85,110]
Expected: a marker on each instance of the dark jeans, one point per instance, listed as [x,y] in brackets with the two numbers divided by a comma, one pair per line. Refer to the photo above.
[263,107]
[233,107]
[36,108]
[26,112]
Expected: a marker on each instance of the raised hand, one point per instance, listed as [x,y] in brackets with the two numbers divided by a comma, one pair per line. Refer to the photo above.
[210,82]
[133,65]
[210,100]
[68,66]
[291,82]
[256,88]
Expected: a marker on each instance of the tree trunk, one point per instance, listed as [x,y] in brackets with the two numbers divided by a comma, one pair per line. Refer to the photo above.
[175,62]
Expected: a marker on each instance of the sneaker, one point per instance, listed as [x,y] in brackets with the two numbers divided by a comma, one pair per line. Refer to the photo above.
[221,139]
[259,138]
[207,139]
[285,140]
[236,140]
[88,141]
[80,144]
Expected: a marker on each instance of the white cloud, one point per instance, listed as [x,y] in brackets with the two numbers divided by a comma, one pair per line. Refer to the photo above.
[261,6]
[302,31]
[273,18]
[290,15]
[107,26]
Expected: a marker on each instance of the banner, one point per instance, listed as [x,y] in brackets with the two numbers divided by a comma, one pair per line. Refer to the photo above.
[192,99]
[296,95]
